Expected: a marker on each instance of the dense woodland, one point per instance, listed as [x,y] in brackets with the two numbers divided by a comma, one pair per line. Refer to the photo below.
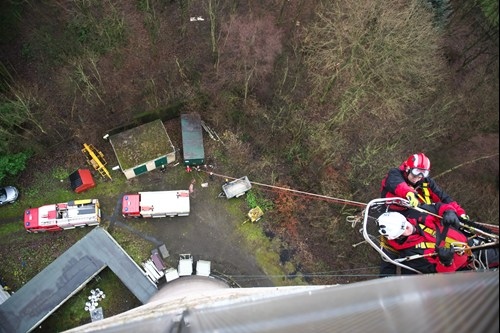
[322,96]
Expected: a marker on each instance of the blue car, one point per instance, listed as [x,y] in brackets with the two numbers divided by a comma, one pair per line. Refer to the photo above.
[8,194]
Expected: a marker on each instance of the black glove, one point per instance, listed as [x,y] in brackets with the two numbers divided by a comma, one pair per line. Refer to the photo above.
[451,219]
[445,255]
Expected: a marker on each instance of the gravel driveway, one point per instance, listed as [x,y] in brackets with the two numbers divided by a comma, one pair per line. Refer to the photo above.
[208,233]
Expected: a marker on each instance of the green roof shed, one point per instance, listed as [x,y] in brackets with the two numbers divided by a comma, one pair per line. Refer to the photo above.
[192,139]
[143,148]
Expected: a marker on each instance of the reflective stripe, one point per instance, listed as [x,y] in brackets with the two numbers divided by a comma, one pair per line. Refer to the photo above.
[428,230]
[426,245]
[427,195]
[449,242]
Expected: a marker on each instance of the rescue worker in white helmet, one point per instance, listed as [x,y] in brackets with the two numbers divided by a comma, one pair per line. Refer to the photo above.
[439,242]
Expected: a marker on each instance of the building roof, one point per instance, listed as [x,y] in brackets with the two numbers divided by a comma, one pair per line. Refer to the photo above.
[141,144]
[192,138]
[28,307]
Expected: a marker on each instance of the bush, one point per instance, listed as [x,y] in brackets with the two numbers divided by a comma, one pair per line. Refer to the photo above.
[12,165]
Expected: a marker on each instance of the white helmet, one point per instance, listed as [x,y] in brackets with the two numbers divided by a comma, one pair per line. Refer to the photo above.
[391,225]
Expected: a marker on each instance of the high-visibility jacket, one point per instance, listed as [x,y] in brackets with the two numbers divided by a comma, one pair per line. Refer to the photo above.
[423,242]
[396,184]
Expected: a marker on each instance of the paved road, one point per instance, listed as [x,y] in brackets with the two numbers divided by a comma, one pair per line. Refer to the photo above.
[210,232]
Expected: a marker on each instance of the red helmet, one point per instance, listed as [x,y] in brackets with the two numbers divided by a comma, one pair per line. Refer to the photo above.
[418,161]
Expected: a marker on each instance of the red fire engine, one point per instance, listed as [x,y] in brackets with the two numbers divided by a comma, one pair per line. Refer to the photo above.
[62,216]
[156,204]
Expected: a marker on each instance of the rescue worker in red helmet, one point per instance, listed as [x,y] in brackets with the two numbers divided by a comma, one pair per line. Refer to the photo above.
[411,180]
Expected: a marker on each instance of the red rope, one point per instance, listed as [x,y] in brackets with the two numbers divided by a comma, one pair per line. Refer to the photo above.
[297,193]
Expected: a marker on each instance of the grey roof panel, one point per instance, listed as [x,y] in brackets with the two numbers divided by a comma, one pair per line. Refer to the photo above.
[50,288]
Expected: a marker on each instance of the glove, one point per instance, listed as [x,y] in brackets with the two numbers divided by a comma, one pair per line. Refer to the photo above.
[410,196]
[464,217]
[445,255]
[450,218]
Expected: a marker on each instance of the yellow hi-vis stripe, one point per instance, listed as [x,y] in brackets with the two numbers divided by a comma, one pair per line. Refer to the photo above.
[429,245]
[427,196]
[426,245]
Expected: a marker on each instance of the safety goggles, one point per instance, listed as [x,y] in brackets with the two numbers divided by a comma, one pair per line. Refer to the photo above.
[419,172]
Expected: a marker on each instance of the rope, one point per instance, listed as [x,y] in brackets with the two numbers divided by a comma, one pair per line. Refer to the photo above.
[470,225]
[465,163]
[338,200]
[351,219]
[296,192]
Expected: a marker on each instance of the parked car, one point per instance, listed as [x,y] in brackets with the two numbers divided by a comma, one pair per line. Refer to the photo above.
[8,194]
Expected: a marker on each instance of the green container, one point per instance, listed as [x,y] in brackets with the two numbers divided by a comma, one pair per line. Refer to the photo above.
[192,139]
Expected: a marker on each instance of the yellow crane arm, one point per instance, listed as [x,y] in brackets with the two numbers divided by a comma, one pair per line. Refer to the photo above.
[99,166]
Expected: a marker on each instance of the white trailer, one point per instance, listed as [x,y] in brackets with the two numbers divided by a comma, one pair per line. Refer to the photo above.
[237,187]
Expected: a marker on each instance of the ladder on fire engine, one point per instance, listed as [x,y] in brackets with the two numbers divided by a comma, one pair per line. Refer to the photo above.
[96,159]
